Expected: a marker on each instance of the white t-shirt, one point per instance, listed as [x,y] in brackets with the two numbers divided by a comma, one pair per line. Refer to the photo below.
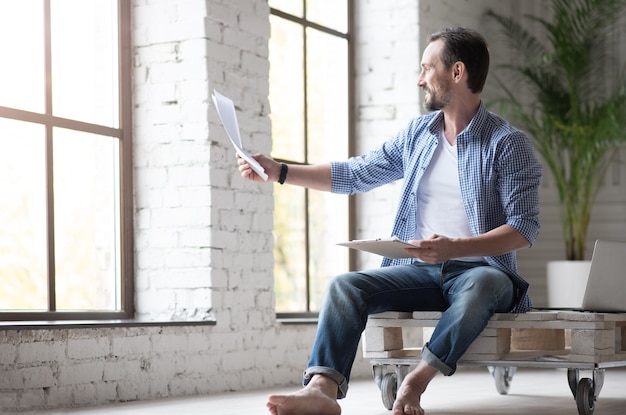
[439,203]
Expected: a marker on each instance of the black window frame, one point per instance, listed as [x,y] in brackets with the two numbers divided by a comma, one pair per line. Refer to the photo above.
[307,315]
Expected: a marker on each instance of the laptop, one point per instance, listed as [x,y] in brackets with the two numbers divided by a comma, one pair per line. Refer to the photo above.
[606,287]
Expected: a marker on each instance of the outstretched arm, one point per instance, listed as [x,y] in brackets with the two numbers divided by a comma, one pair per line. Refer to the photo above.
[315,176]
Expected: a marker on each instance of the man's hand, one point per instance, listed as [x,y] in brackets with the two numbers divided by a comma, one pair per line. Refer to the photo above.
[434,250]
[272,168]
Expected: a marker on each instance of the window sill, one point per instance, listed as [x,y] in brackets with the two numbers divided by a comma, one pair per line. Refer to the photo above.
[80,324]
[297,318]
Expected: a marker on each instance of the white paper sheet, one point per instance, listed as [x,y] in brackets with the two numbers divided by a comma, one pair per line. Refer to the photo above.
[226,111]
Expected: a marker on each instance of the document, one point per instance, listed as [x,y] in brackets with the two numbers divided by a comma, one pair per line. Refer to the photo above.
[226,111]
[388,247]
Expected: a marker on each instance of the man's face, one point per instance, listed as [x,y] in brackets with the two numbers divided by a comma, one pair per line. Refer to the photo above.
[434,78]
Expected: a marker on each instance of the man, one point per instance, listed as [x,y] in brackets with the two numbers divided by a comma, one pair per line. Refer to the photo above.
[469,201]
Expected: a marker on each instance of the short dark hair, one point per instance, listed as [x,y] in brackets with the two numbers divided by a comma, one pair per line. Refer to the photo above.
[467,46]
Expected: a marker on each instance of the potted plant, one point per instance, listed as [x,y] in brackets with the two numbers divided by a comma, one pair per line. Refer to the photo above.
[577,113]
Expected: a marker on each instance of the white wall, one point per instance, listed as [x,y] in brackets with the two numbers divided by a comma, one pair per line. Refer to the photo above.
[387,65]
[203,235]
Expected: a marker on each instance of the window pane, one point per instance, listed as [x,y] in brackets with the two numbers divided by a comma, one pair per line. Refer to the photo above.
[23,278]
[22,72]
[328,140]
[287,89]
[329,13]
[289,248]
[328,224]
[315,220]
[327,101]
[293,7]
[86,214]
[85,61]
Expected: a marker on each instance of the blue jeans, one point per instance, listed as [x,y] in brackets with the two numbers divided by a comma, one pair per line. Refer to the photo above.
[468,294]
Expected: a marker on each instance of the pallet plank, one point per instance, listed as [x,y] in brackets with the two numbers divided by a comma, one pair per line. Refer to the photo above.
[383,338]
[566,338]
[593,342]
[391,315]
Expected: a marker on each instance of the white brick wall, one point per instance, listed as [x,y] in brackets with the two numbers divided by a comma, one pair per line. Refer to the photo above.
[203,234]
[172,159]
[387,62]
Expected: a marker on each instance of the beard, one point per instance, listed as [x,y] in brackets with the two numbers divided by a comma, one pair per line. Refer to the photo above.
[436,99]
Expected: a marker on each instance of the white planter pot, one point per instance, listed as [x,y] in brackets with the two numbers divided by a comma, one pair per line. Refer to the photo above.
[567,281]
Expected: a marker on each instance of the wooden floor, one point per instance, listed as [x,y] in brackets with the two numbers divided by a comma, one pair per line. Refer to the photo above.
[470,391]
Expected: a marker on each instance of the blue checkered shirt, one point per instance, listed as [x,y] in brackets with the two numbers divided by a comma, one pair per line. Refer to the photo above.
[498,173]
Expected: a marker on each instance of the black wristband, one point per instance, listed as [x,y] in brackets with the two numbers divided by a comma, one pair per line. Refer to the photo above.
[283,173]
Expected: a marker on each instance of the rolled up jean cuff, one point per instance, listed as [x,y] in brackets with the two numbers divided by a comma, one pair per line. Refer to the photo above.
[433,361]
[342,383]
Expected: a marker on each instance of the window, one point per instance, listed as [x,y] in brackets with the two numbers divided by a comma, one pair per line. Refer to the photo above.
[310,92]
[65,162]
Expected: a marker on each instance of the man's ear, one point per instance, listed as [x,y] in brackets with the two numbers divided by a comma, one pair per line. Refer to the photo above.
[458,70]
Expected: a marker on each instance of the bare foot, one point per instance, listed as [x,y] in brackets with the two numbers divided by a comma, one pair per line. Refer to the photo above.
[410,392]
[408,400]
[317,398]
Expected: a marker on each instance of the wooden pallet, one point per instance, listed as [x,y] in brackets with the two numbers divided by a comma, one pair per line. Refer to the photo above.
[572,336]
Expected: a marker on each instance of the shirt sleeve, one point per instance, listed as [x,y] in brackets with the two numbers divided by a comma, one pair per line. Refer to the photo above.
[376,168]
[520,178]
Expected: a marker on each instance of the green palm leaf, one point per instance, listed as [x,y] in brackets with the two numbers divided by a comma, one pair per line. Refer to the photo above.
[576,118]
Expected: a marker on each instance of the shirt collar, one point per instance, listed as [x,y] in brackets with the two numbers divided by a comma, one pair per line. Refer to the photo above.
[473,128]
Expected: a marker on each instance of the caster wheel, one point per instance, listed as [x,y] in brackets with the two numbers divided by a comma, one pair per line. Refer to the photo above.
[388,389]
[503,377]
[585,397]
